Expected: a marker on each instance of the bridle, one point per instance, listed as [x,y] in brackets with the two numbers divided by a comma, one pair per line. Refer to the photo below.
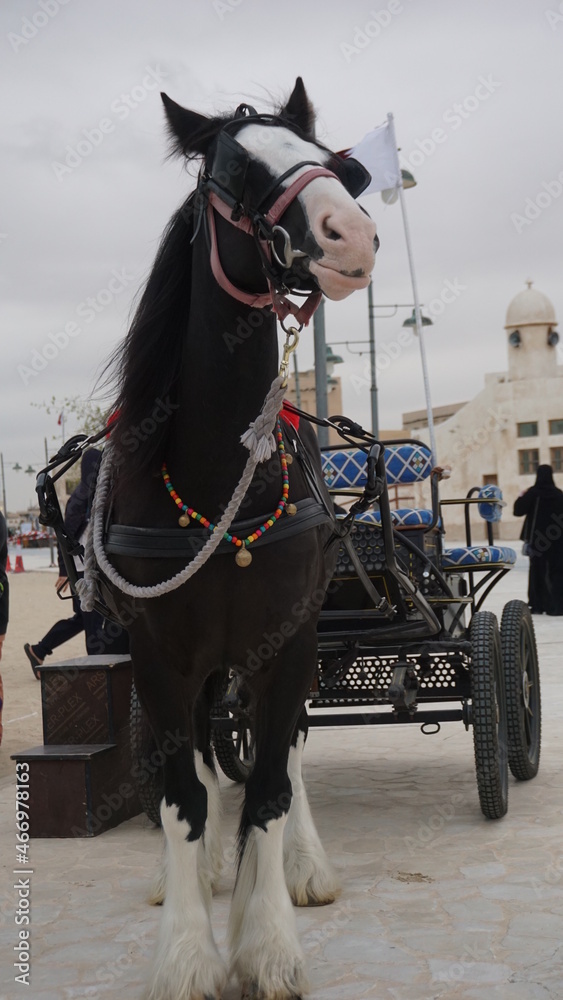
[222,188]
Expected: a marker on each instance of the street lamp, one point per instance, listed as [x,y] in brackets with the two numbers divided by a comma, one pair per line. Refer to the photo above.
[411,321]
[332,359]
[17,468]
[373,367]
[390,195]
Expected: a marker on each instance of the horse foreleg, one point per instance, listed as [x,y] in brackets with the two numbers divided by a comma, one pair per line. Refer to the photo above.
[211,854]
[265,951]
[309,875]
[212,860]
[187,964]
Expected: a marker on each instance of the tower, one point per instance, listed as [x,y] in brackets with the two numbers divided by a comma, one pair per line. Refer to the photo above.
[532,338]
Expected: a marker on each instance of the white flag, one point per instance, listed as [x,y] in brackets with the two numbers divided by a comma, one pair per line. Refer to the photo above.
[378,154]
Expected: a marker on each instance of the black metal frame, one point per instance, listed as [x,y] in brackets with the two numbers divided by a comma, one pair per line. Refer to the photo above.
[417,642]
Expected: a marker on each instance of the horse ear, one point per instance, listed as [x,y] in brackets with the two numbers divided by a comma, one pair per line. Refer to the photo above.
[186,129]
[299,109]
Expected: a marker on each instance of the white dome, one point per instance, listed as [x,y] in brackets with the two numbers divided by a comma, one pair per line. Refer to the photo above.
[530,308]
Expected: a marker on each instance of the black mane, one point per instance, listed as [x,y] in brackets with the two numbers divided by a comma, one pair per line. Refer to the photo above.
[147,362]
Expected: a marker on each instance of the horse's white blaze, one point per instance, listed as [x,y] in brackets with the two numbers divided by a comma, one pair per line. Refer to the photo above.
[187,963]
[279,149]
[265,951]
[211,862]
[347,260]
[309,875]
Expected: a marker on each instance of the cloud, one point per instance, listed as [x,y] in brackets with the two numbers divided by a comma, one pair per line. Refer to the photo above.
[61,239]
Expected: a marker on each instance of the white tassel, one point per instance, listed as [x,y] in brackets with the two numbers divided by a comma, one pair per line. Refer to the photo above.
[259,438]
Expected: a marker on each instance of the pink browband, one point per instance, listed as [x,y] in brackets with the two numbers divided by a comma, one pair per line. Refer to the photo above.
[281,305]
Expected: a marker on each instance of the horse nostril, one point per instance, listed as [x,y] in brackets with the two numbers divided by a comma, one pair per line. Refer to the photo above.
[329,232]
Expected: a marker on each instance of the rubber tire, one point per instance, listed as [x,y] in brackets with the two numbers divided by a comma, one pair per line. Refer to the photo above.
[523,711]
[150,789]
[489,715]
[227,746]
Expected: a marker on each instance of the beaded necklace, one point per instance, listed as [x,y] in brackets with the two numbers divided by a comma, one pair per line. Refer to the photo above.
[243,556]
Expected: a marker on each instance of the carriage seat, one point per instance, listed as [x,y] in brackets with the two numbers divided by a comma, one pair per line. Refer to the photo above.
[404,517]
[466,557]
[345,468]
[472,557]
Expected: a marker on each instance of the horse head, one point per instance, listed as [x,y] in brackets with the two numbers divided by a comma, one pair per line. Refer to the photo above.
[269,176]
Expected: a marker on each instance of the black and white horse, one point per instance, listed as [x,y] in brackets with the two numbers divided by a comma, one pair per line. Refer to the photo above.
[274,211]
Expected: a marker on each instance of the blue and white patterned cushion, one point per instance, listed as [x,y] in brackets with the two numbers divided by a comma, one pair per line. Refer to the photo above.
[477,555]
[404,517]
[407,463]
[344,468]
[491,509]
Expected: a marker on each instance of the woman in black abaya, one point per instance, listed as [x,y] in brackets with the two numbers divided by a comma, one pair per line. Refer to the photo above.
[543,534]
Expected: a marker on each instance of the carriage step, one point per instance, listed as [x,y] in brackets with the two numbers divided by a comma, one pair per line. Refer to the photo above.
[76,790]
[86,700]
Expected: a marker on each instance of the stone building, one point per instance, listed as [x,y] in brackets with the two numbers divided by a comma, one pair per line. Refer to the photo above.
[513,425]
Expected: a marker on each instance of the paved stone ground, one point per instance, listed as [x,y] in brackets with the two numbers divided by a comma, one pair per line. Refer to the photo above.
[436,902]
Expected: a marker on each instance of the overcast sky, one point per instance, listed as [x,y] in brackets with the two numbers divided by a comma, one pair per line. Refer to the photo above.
[83,203]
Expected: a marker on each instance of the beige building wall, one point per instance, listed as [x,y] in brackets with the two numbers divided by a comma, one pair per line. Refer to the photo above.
[481,440]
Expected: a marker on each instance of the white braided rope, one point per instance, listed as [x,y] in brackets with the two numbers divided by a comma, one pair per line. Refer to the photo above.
[261,444]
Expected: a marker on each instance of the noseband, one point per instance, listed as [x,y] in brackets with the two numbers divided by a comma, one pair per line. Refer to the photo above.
[221,189]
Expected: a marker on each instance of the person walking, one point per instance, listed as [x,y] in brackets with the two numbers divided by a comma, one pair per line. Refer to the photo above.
[77,515]
[542,534]
[4,599]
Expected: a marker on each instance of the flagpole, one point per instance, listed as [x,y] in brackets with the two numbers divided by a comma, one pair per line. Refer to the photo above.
[417,312]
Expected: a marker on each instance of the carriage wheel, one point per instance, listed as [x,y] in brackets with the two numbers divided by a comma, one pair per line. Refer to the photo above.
[150,787]
[234,749]
[489,715]
[522,683]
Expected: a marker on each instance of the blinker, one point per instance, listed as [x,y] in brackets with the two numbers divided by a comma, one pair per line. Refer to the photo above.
[230,163]
[355,178]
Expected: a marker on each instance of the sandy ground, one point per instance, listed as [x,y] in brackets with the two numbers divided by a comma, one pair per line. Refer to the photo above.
[437,902]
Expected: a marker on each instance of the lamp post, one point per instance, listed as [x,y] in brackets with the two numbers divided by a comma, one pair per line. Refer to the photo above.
[321,390]
[371,342]
[16,468]
[417,322]
[3,485]
[372,366]
[297,383]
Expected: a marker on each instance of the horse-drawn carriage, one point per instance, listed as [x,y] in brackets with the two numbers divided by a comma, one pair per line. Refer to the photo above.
[402,634]
[273,214]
